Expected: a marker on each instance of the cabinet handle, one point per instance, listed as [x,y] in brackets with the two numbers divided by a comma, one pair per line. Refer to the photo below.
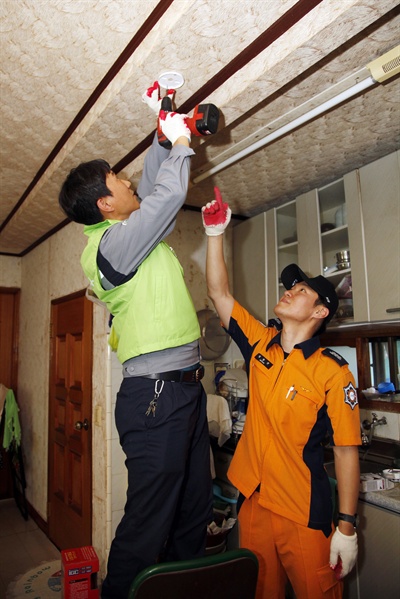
[389,310]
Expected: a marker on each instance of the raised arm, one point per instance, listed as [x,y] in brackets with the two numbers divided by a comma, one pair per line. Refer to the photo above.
[157,154]
[216,216]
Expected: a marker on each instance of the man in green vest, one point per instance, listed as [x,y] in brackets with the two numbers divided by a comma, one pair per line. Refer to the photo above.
[161,405]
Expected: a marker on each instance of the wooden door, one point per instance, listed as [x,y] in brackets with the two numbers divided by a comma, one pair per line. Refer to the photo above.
[9,317]
[70,431]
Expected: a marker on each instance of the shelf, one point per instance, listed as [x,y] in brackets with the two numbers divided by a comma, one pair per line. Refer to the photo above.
[335,241]
[287,255]
[286,223]
[338,275]
[288,246]
[331,197]
[332,210]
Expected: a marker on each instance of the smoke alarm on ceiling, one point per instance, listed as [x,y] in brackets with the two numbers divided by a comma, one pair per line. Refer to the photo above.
[171,80]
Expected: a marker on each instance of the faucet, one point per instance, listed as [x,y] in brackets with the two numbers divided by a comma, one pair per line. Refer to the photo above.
[370,425]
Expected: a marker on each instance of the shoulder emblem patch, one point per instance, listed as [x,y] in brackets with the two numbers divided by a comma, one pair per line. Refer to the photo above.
[350,395]
[335,356]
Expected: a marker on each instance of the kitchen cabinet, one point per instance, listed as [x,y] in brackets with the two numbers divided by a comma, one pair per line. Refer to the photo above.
[359,212]
[377,573]
[380,204]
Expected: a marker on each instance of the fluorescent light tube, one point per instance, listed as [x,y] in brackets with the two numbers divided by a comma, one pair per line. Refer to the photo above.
[297,122]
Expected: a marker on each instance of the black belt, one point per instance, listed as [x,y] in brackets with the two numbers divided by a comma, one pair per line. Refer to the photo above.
[178,376]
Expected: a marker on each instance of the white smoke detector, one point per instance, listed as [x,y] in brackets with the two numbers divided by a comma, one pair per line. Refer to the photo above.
[171,80]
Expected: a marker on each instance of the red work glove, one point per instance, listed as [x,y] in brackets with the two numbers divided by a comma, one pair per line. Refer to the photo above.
[152,96]
[216,215]
[173,125]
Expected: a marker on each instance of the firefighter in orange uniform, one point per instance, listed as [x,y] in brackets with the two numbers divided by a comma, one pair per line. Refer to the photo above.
[299,393]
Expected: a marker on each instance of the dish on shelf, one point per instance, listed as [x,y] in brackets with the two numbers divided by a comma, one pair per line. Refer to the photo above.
[343,259]
[345,309]
[327,227]
[329,270]
[343,265]
[344,289]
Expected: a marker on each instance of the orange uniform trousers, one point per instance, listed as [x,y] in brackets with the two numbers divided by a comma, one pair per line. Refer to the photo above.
[285,550]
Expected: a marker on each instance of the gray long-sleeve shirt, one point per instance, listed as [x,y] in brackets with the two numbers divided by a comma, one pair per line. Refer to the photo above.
[162,191]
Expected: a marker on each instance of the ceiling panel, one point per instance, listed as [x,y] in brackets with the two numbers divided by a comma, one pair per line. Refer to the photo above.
[256,60]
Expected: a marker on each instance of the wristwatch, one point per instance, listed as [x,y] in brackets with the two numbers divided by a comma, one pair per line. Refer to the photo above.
[347,518]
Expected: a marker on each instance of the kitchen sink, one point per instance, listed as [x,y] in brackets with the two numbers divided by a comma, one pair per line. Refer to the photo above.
[365,466]
[379,456]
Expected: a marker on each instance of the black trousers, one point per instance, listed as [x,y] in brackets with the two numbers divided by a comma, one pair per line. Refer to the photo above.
[169,497]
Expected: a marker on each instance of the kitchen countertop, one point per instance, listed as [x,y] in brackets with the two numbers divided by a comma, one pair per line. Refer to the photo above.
[388,499]
[381,452]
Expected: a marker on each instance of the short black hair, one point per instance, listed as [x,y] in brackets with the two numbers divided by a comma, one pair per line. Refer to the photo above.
[84,185]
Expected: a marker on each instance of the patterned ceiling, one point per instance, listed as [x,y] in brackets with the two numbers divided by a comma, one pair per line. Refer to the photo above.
[73,71]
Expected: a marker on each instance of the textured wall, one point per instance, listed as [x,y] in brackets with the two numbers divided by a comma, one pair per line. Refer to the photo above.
[10,271]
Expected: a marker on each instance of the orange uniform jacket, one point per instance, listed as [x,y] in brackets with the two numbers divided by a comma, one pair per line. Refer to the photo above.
[293,404]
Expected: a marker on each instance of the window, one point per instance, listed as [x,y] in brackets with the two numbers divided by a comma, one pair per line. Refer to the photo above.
[384,353]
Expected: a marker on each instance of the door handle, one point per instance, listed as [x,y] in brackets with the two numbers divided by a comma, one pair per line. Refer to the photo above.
[79,425]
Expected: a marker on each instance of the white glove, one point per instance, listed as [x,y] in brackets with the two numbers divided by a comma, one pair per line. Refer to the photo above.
[173,125]
[152,98]
[216,215]
[344,547]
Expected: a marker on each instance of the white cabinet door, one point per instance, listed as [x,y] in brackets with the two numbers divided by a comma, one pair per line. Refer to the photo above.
[380,201]
[377,573]
[308,226]
[249,266]
[356,243]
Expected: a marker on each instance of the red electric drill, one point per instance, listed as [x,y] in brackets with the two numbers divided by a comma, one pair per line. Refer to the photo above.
[203,122]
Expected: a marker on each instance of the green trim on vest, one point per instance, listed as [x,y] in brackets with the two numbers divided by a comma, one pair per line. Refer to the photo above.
[152,311]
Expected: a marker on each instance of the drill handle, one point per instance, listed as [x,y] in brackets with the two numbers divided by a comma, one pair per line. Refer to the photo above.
[166,105]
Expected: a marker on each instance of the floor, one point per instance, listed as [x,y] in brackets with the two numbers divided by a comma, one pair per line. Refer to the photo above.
[22,545]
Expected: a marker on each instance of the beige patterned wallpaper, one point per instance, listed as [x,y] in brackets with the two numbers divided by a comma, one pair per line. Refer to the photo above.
[54,54]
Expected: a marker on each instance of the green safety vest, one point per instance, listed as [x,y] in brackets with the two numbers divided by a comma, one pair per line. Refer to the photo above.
[153,310]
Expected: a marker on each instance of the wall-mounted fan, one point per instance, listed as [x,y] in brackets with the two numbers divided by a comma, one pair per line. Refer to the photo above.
[214,340]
